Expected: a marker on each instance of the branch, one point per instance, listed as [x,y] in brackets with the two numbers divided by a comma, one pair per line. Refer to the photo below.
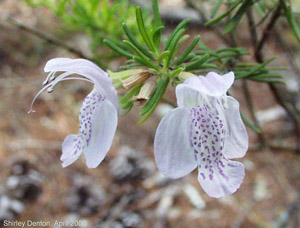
[48,38]
[252,28]
[258,54]
[266,33]
[205,19]
[250,105]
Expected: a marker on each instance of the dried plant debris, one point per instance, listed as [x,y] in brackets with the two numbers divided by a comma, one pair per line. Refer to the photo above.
[85,197]
[9,208]
[25,181]
[129,220]
[130,165]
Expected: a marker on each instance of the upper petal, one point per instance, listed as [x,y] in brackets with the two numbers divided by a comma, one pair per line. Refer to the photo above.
[212,84]
[87,69]
[236,143]
[173,153]
[188,97]
[103,127]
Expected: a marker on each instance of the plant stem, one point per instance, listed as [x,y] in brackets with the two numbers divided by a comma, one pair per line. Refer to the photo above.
[49,39]
[260,59]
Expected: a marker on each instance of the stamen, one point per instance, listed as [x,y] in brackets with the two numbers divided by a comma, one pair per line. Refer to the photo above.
[50,90]
[36,96]
[52,84]
[50,77]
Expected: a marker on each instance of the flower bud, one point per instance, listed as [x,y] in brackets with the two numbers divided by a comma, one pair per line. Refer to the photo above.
[145,93]
[184,75]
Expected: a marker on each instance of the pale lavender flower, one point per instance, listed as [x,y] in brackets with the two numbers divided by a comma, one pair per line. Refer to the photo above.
[99,112]
[205,131]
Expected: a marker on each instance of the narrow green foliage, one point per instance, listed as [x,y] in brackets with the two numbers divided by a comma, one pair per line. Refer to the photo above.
[216,8]
[173,44]
[291,19]
[189,57]
[188,50]
[145,59]
[135,42]
[175,72]
[118,49]
[125,101]
[255,69]
[181,42]
[197,64]
[250,124]
[219,18]
[157,18]
[154,100]
[157,35]
[238,16]
[163,55]
[142,29]
[157,23]
[180,26]
[146,63]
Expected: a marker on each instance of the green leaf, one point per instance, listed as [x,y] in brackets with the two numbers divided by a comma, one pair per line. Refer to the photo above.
[157,35]
[255,69]
[188,50]
[138,52]
[180,26]
[146,63]
[216,8]
[125,101]
[117,49]
[176,72]
[268,80]
[135,42]
[196,64]
[250,124]
[163,55]
[292,22]
[151,105]
[173,44]
[157,18]
[142,29]
[180,43]
[219,18]
[238,16]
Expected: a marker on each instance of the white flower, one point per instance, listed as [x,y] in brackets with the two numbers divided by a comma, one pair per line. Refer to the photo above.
[99,112]
[205,131]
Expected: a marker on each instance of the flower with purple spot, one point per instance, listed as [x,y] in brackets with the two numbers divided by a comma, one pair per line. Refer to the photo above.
[98,115]
[205,131]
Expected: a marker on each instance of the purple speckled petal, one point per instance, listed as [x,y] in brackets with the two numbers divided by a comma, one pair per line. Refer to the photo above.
[236,143]
[89,70]
[226,182]
[207,138]
[103,127]
[97,126]
[173,153]
[212,84]
[68,147]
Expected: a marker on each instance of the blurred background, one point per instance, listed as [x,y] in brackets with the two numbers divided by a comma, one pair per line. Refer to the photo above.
[127,190]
